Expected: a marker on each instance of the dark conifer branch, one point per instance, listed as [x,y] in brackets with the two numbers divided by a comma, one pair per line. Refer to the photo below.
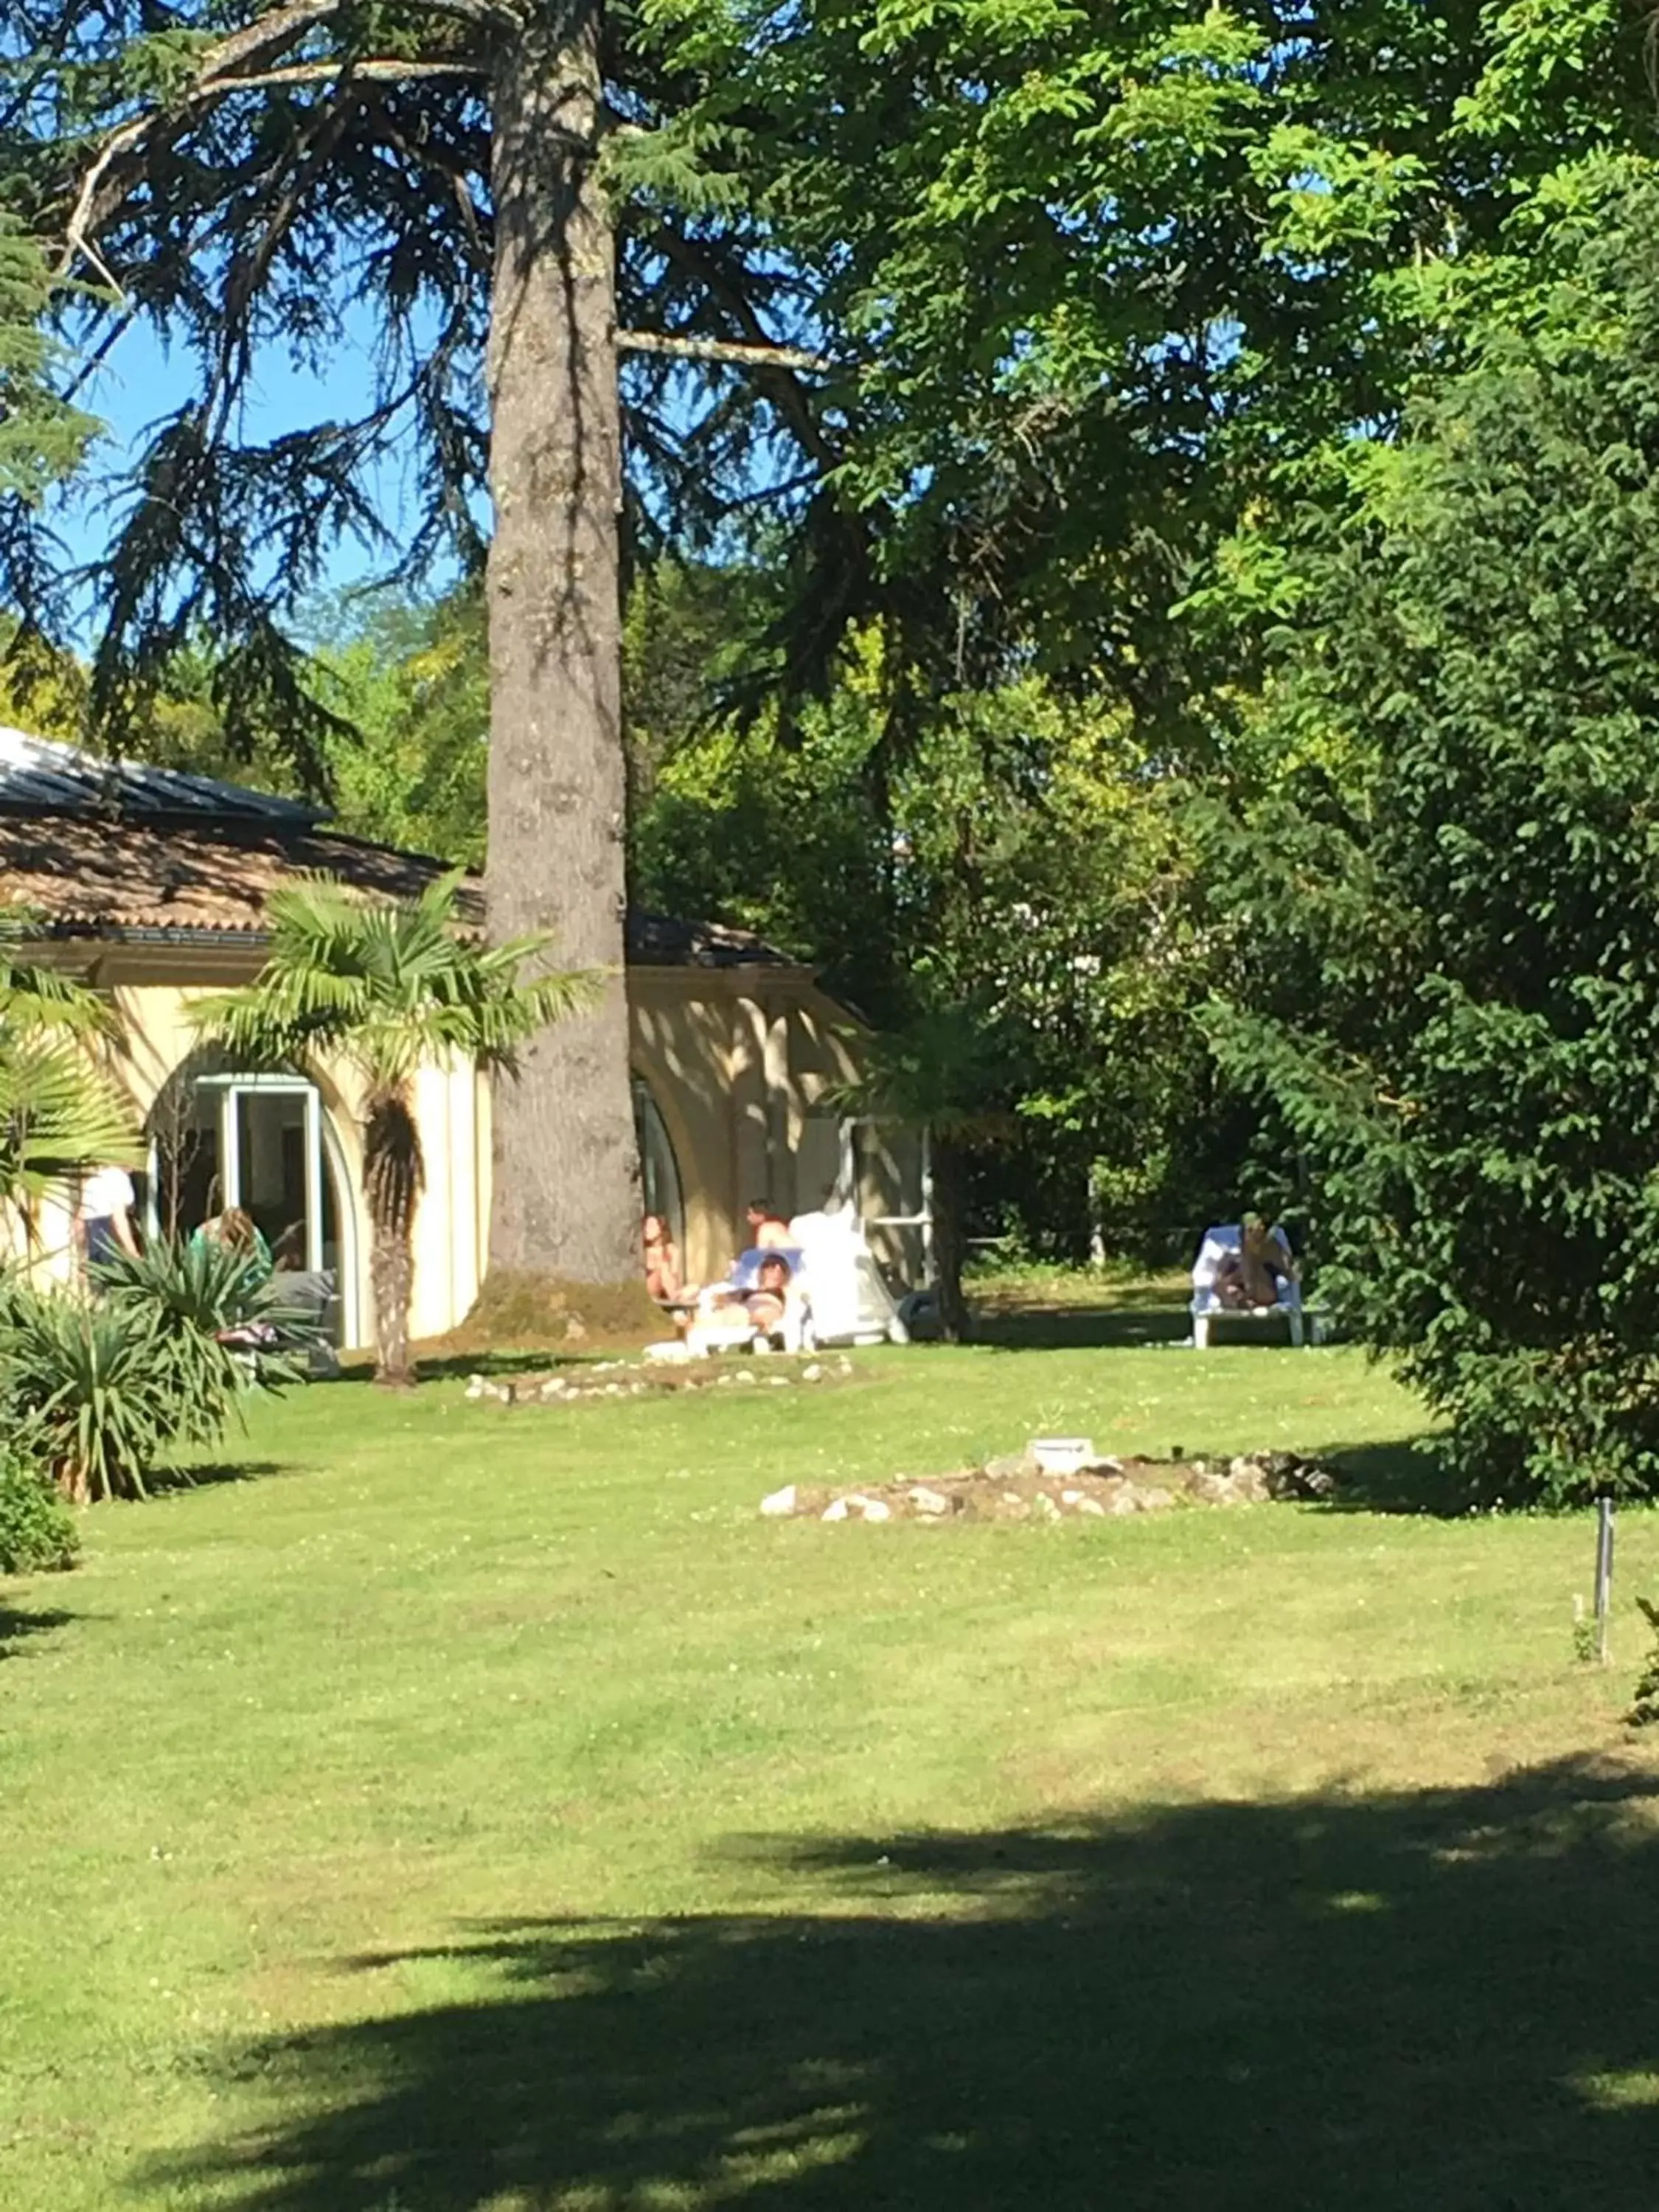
[223,71]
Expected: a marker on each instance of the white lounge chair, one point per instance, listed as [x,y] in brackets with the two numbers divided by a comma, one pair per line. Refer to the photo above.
[847,1301]
[722,1322]
[1224,1242]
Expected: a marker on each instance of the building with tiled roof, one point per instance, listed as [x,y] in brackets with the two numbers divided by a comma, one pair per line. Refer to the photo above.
[154,886]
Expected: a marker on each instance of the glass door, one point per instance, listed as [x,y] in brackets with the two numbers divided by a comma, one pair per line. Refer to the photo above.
[271,1152]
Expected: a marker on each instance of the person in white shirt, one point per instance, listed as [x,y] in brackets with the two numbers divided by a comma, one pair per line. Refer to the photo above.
[104,1218]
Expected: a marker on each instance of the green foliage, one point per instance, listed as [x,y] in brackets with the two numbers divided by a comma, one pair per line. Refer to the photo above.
[39,1534]
[388,984]
[1021,854]
[1444,960]
[99,1390]
[42,436]
[59,1109]
[189,1295]
[1644,1706]
[85,1391]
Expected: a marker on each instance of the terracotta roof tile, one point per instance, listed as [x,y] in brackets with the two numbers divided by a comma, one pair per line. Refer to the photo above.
[82,873]
[79,873]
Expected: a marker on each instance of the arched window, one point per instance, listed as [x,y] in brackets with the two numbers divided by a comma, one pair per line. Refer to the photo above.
[219,1136]
[659,1168]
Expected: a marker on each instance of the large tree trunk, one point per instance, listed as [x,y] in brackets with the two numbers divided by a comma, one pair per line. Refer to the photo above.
[566,1197]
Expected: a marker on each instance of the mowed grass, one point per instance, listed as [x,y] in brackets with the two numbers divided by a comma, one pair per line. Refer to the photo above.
[483,1807]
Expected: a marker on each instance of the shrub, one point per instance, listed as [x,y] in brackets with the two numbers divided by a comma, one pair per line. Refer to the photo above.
[100,1390]
[1644,1710]
[190,1295]
[38,1531]
[85,1391]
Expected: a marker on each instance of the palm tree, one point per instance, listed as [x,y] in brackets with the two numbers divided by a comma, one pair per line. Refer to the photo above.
[387,986]
[939,1074]
[59,1111]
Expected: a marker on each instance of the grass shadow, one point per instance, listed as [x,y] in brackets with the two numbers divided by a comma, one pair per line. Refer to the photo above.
[1403,1476]
[1080,1329]
[1382,2000]
[169,1480]
[16,1626]
[444,1366]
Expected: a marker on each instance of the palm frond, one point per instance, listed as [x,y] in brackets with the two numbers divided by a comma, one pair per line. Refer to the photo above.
[389,985]
[35,998]
[58,1114]
[943,1071]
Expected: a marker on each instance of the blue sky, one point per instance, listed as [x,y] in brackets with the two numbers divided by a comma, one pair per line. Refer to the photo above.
[141,381]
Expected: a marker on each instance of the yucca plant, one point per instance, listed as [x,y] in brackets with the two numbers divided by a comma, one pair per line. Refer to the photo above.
[389,986]
[192,1295]
[84,1391]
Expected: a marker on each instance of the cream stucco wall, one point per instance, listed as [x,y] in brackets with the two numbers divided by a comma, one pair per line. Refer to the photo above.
[737,1060]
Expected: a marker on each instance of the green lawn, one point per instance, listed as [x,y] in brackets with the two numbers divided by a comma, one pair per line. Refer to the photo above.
[483,1807]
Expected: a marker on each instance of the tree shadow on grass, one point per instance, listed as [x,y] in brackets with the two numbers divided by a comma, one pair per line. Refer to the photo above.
[1379,2001]
[166,1481]
[16,1627]
[1402,1476]
[438,1367]
[1082,1329]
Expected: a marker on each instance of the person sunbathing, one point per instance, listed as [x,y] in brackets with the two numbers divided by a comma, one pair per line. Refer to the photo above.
[662,1261]
[765,1302]
[768,1230]
[1250,1279]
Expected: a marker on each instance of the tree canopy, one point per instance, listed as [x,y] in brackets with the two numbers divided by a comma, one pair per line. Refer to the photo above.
[1448,920]
[979,384]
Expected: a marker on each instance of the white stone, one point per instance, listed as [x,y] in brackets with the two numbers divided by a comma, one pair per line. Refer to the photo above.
[837,1510]
[812,1373]
[781,1503]
[873,1509]
[744,1374]
[1060,1455]
[1091,1506]
[929,1501]
[1044,1507]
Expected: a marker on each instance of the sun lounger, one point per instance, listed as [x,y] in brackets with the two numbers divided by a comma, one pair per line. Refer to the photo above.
[1222,1244]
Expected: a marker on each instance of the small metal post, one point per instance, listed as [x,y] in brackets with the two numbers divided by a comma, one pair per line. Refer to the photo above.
[1603,1573]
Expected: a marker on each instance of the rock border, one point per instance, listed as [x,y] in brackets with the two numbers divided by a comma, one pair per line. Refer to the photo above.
[655,1379]
[1017,1489]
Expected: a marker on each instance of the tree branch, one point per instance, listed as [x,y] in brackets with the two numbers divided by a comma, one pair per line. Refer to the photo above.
[790,396]
[221,71]
[759,356]
[371,71]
